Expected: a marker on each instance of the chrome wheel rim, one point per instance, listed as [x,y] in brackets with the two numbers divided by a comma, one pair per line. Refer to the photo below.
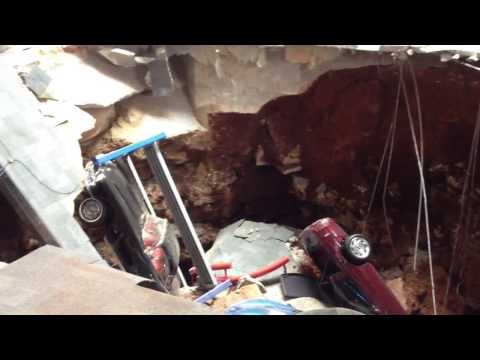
[359,247]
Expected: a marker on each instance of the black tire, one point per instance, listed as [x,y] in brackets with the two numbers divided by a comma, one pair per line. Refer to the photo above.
[357,249]
[91,211]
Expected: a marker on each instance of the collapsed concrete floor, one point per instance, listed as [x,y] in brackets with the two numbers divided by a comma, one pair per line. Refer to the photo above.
[317,154]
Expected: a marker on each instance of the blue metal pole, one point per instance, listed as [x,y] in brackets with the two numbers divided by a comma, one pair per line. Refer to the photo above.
[209,295]
[102,159]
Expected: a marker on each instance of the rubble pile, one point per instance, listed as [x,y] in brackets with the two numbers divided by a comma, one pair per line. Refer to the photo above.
[240,148]
[269,166]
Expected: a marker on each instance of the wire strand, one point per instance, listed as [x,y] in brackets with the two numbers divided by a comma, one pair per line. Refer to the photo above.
[12,161]
[422,180]
[420,125]
[467,185]
[387,142]
[389,161]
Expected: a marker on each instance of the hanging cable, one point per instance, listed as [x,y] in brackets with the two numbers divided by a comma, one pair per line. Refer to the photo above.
[468,184]
[420,124]
[422,180]
[389,161]
[390,135]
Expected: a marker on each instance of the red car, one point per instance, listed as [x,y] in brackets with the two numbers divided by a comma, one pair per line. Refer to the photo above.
[348,276]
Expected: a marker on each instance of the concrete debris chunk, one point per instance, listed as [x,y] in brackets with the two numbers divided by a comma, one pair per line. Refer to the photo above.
[160,77]
[73,120]
[306,304]
[104,118]
[250,291]
[292,162]
[397,287]
[120,57]
[251,245]
[300,185]
[141,116]
[260,157]
[81,78]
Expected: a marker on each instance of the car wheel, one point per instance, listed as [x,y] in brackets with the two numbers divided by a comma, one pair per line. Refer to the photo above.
[91,211]
[357,249]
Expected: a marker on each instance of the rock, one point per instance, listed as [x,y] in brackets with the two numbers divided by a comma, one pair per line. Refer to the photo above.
[392,273]
[300,186]
[291,162]
[81,78]
[143,116]
[206,233]
[108,254]
[2,265]
[306,304]
[260,157]
[232,297]
[397,287]
[274,292]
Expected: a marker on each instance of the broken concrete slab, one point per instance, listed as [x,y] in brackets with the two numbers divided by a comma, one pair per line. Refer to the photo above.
[42,171]
[104,118]
[82,78]
[52,281]
[251,245]
[160,78]
[19,56]
[120,57]
[70,118]
[142,115]
[227,79]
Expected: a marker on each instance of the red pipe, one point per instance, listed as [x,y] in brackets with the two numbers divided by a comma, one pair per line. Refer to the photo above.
[254,274]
